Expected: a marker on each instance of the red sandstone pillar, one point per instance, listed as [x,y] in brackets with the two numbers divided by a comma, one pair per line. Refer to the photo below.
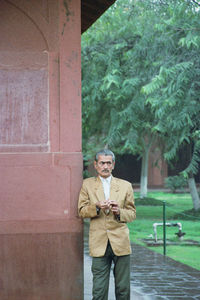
[40,150]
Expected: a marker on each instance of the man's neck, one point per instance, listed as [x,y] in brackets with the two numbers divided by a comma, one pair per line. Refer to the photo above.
[102,178]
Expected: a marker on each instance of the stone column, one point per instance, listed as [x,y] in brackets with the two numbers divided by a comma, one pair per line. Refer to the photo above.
[41,248]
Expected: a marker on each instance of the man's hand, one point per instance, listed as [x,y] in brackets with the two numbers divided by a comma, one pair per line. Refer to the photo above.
[103,204]
[109,205]
[114,207]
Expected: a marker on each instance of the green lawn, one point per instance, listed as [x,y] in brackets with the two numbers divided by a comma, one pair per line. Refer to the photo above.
[178,209]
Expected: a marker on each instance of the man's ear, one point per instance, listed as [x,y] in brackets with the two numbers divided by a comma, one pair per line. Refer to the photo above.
[113,165]
[95,164]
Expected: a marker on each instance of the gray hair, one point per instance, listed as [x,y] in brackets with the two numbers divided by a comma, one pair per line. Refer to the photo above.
[105,152]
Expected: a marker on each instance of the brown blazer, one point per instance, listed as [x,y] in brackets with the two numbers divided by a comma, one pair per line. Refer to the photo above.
[102,226]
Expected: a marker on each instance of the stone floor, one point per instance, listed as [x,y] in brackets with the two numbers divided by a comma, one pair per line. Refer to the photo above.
[153,276]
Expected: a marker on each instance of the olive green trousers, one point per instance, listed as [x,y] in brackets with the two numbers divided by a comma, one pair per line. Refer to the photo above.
[101,267]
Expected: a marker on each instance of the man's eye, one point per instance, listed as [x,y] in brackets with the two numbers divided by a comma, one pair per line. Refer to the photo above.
[106,162]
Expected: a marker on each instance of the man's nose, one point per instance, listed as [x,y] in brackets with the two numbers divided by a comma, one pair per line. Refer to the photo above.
[106,164]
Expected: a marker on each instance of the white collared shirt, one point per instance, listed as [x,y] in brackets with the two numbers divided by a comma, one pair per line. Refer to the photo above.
[106,186]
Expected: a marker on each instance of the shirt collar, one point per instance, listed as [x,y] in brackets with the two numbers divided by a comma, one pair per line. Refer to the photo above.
[108,179]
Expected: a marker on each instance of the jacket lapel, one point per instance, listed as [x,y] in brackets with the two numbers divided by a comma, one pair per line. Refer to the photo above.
[99,189]
[114,189]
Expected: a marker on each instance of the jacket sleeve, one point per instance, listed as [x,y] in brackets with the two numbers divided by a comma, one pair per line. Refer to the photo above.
[128,212]
[85,208]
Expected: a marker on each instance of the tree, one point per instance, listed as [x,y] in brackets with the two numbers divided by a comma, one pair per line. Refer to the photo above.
[174,93]
[117,61]
[141,79]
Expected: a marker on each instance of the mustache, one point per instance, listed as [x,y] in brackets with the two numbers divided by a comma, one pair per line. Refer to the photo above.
[106,170]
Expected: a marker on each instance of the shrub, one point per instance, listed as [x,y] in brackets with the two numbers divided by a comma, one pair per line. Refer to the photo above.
[86,174]
[175,182]
[148,202]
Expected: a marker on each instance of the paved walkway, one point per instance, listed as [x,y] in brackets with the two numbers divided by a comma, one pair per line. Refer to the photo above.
[153,276]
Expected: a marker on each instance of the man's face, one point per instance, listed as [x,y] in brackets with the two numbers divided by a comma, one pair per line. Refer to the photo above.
[104,165]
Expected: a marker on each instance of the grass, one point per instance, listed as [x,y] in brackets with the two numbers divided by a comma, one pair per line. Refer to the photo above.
[179,208]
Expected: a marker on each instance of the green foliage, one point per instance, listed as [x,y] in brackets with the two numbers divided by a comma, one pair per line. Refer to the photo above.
[175,182]
[174,92]
[141,79]
[86,174]
[194,162]
[116,64]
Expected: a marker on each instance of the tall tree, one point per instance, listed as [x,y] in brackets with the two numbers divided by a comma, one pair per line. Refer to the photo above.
[118,59]
[174,93]
[149,46]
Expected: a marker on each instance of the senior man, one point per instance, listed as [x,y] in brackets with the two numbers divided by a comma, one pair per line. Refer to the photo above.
[109,203]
